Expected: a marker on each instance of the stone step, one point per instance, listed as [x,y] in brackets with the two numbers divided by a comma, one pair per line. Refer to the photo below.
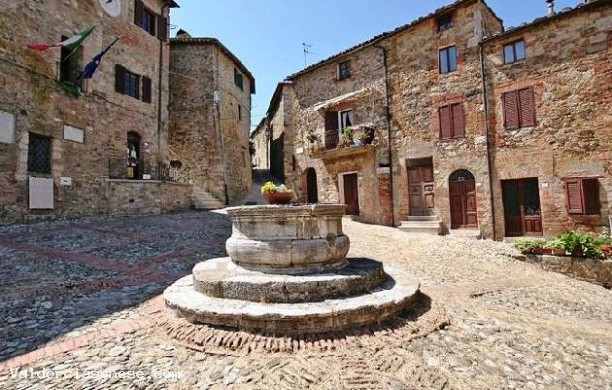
[466,233]
[421,227]
[386,301]
[222,278]
[431,218]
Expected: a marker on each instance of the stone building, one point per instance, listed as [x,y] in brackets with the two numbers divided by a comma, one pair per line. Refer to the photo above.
[260,141]
[79,147]
[210,111]
[436,152]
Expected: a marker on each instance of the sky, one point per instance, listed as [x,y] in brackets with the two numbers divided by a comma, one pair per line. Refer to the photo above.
[268,35]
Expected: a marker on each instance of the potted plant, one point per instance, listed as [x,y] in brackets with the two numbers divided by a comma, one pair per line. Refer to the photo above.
[556,246]
[347,137]
[276,194]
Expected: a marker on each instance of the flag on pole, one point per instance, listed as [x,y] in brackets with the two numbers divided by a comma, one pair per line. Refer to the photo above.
[71,43]
[91,68]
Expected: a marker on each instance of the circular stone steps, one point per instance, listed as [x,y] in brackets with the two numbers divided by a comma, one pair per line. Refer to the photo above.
[222,278]
[383,302]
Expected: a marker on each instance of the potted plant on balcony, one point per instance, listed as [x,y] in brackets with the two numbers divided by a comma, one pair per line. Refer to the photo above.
[276,194]
[347,138]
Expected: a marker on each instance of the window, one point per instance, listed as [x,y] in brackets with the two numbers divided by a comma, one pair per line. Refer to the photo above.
[452,121]
[346,119]
[70,65]
[344,70]
[519,109]
[239,112]
[582,196]
[514,52]
[39,154]
[445,22]
[238,79]
[132,84]
[144,18]
[448,60]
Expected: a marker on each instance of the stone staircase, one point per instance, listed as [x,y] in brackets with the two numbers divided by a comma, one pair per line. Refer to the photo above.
[422,225]
[204,200]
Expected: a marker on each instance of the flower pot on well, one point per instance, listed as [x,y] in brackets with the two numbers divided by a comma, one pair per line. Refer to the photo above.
[279,197]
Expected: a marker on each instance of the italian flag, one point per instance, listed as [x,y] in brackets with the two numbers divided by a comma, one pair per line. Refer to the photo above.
[71,43]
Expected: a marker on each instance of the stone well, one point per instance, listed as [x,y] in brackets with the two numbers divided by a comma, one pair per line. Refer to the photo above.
[287,273]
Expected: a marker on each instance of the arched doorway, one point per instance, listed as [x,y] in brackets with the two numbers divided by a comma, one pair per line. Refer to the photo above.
[133,156]
[462,194]
[312,191]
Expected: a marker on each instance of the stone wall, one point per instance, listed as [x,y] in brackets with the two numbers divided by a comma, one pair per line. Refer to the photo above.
[261,158]
[594,271]
[569,67]
[29,91]
[130,197]
[208,131]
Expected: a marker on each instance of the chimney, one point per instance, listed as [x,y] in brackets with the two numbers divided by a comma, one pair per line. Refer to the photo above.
[551,7]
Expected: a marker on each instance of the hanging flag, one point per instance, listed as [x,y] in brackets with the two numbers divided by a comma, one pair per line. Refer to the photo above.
[71,43]
[91,68]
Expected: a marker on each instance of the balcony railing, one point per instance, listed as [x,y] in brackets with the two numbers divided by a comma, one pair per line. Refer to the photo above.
[331,139]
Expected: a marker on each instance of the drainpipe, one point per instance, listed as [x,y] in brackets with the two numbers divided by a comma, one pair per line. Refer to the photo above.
[159,96]
[388,120]
[487,131]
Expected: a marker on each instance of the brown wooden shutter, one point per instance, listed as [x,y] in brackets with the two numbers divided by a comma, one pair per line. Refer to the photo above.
[511,115]
[138,12]
[527,107]
[331,120]
[446,130]
[119,78]
[162,27]
[458,121]
[146,89]
[573,192]
[590,193]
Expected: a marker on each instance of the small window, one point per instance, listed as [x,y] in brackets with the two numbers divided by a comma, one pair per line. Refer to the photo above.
[344,70]
[238,79]
[132,84]
[452,121]
[239,112]
[346,119]
[70,64]
[144,18]
[582,196]
[514,52]
[39,154]
[519,109]
[448,60]
[445,22]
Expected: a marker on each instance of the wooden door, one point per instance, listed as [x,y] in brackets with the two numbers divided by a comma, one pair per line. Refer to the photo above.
[312,191]
[522,213]
[351,194]
[463,204]
[421,190]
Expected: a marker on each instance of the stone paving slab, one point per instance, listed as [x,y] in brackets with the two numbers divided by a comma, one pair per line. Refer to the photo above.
[505,324]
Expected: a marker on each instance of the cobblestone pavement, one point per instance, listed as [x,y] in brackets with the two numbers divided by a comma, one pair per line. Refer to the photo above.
[80,309]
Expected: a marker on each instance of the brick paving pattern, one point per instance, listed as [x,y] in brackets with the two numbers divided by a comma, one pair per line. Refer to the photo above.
[82,297]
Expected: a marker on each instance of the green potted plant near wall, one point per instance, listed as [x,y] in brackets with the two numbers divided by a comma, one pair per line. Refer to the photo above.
[557,246]
[347,138]
[276,194]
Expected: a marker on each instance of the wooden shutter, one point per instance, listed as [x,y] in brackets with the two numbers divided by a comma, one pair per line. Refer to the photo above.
[458,121]
[590,193]
[446,130]
[511,115]
[162,27]
[146,89]
[527,107]
[119,78]
[331,120]
[138,12]
[137,87]
[573,192]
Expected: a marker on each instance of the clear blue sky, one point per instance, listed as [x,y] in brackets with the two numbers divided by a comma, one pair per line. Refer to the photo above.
[267,35]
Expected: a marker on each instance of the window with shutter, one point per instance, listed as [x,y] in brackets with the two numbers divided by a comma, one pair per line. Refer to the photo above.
[511,115]
[138,12]
[444,114]
[582,196]
[331,120]
[527,109]
[162,28]
[146,89]
[458,121]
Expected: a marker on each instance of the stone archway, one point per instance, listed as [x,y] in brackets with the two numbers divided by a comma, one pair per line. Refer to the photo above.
[462,195]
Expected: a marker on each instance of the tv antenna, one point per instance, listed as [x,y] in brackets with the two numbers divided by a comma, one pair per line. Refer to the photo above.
[306,52]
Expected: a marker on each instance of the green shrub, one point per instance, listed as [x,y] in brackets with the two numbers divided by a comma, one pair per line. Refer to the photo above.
[527,246]
[581,244]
